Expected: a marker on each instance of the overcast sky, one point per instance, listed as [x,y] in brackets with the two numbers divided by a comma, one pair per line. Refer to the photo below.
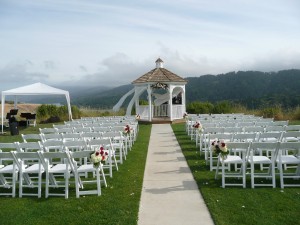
[113,42]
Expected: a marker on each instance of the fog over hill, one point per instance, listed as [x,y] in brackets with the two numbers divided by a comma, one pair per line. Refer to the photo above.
[251,88]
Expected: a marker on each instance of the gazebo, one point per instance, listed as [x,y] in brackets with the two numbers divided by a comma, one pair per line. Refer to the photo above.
[165,95]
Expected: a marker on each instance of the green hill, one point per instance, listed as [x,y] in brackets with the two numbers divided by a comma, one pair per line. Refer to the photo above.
[250,88]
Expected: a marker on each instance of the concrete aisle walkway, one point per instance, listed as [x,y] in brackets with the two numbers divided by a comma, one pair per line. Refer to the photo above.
[170,195]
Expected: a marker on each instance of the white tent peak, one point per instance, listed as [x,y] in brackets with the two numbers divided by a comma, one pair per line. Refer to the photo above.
[35,89]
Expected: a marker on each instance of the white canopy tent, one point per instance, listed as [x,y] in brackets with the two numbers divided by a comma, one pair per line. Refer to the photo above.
[35,89]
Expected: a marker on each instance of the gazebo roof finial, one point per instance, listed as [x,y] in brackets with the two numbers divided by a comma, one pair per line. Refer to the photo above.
[159,63]
[159,74]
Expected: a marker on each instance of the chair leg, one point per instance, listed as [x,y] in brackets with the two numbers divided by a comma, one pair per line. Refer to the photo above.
[14,185]
[281,176]
[243,171]
[67,185]
[223,175]
[98,183]
[273,176]
[47,185]
[103,175]
[77,186]
[252,175]
[39,185]
[217,170]
[21,185]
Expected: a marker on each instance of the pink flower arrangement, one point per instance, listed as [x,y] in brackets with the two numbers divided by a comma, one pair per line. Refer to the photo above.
[198,126]
[99,156]
[219,147]
[127,130]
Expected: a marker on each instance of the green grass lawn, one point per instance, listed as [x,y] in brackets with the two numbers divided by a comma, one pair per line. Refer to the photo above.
[118,204]
[235,205]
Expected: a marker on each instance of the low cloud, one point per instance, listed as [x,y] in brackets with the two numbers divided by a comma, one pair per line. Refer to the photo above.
[17,74]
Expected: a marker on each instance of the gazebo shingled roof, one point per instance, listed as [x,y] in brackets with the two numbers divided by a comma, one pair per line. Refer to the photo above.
[159,75]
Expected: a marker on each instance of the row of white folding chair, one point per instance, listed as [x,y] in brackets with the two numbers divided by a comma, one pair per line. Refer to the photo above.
[111,127]
[79,129]
[63,136]
[229,130]
[246,155]
[248,122]
[81,145]
[239,137]
[31,175]
[120,141]
[202,138]
[73,146]
[278,159]
[237,129]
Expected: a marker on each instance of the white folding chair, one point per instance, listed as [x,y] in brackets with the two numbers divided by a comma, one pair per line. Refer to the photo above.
[64,130]
[78,170]
[267,155]
[59,126]
[289,154]
[205,144]
[48,130]
[269,137]
[8,173]
[51,136]
[75,125]
[91,135]
[281,123]
[292,128]
[96,144]
[53,170]
[254,129]
[119,143]
[233,159]
[244,137]
[29,176]
[71,136]
[233,130]
[6,147]
[82,129]
[275,128]
[31,137]
[101,129]
[53,146]
[291,136]
[211,158]
[75,145]
[126,138]
[29,146]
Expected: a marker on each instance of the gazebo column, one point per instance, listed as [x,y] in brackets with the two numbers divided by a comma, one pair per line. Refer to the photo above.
[170,90]
[183,100]
[137,105]
[149,103]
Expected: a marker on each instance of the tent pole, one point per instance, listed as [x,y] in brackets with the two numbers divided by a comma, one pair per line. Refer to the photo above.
[2,110]
[15,102]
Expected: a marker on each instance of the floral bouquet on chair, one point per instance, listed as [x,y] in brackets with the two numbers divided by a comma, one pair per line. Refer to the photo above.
[99,156]
[219,147]
[127,130]
[185,115]
[198,126]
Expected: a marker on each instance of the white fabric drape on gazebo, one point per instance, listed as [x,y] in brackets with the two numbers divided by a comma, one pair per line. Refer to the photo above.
[35,89]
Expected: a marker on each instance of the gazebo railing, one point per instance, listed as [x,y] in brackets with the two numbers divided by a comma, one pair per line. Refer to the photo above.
[161,111]
[177,111]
